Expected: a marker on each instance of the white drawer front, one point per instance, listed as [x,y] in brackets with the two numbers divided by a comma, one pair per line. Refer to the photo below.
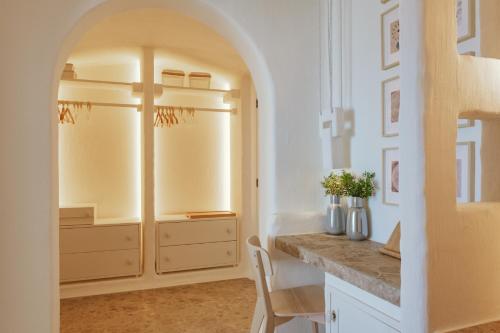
[99,265]
[99,238]
[187,257]
[194,232]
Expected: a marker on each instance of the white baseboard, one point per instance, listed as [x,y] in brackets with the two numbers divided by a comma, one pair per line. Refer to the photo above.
[151,282]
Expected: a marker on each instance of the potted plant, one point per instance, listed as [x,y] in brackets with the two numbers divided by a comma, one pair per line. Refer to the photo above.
[335,215]
[358,189]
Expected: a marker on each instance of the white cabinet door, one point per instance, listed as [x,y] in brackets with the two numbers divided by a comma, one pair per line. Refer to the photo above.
[349,315]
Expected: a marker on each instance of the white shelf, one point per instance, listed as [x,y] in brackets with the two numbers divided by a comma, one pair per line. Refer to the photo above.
[197,91]
[92,84]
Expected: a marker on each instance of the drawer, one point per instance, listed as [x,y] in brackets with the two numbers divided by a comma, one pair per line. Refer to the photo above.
[193,232]
[99,265]
[99,238]
[187,257]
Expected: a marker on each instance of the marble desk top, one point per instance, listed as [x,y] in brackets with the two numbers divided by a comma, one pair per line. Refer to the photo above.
[358,263]
[493,327]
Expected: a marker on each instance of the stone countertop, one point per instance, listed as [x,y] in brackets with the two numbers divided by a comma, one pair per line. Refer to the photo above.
[358,263]
[493,327]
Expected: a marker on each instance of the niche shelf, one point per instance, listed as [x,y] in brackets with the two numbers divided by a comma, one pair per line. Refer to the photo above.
[84,83]
[235,93]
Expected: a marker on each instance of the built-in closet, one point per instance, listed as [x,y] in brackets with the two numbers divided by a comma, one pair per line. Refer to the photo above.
[150,163]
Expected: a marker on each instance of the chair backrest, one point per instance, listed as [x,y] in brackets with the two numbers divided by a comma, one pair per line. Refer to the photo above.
[262,267]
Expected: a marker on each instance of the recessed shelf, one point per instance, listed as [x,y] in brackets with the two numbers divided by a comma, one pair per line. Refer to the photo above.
[188,90]
[83,83]
[480,115]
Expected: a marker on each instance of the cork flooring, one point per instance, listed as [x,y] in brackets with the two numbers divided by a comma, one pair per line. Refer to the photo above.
[217,307]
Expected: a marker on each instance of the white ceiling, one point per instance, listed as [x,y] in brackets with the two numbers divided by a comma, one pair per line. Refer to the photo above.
[167,31]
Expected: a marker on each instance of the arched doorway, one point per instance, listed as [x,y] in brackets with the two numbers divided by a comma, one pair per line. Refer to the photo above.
[246,48]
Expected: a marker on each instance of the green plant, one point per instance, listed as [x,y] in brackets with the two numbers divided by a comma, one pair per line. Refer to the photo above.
[333,185]
[360,187]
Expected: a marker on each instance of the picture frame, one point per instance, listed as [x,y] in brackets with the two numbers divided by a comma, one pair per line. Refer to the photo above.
[390,182]
[391,106]
[390,37]
[384,1]
[465,162]
[466,19]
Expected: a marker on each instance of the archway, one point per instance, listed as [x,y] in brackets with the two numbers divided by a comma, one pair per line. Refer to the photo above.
[227,28]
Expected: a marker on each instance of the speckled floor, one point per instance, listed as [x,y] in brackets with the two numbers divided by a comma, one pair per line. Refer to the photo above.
[217,307]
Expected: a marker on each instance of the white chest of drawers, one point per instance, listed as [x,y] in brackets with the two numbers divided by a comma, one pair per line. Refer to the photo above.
[99,251]
[196,244]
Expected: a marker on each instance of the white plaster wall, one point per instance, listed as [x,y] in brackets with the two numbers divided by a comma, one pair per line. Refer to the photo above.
[99,156]
[367,141]
[197,163]
[30,63]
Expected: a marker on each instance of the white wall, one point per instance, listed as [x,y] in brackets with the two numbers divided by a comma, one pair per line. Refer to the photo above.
[368,141]
[31,63]
[99,156]
[197,163]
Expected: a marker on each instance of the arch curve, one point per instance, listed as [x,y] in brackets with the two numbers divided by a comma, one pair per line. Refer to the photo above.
[229,29]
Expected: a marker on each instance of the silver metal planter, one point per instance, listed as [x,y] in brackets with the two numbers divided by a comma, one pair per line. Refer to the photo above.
[357,221]
[335,217]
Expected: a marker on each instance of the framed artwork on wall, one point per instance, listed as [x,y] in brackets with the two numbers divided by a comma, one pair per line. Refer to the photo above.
[466,23]
[390,167]
[384,1]
[390,38]
[391,104]
[465,171]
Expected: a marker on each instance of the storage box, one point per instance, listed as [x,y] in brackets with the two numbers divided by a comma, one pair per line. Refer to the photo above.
[77,215]
[173,77]
[199,80]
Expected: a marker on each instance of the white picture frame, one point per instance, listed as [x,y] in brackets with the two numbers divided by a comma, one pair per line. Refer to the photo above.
[465,158]
[466,19]
[390,182]
[390,38]
[391,106]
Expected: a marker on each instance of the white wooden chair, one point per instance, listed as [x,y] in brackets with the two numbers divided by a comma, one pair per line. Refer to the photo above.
[280,306]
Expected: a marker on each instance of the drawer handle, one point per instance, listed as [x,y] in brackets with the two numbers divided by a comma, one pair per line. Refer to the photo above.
[166,259]
[128,238]
[129,262]
[229,231]
[334,316]
[167,236]
[229,253]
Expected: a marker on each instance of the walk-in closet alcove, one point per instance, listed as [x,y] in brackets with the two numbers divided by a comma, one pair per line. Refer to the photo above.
[157,156]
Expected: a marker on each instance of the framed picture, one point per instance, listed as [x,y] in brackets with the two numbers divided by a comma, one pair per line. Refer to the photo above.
[465,171]
[384,1]
[466,23]
[390,38]
[390,158]
[391,102]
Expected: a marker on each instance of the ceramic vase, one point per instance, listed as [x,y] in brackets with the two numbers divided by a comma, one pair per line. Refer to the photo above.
[357,221]
[335,217]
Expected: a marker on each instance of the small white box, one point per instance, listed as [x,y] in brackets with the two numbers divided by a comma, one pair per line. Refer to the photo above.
[77,215]
[199,80]
[173,77]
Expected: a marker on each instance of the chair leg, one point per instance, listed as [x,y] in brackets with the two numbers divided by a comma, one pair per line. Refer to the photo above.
[258,318]
[315,327]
